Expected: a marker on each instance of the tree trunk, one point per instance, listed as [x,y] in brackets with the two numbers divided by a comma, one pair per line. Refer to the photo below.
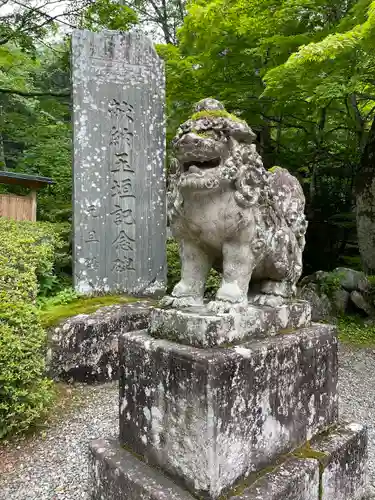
[365,204]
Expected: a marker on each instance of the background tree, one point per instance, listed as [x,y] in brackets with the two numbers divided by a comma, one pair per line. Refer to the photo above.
[308,120]
[337,75]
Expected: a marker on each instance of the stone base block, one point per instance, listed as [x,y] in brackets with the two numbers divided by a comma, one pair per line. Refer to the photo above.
[293,479]
[211,416]
[116,474]
[335,470]
[198,327]
[84,348]
[344,464]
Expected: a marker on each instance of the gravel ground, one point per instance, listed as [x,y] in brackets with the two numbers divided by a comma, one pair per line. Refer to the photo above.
[54,467]
[357,396]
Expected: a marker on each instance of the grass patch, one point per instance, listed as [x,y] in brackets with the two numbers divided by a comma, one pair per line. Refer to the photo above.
[54,314]
[354,330]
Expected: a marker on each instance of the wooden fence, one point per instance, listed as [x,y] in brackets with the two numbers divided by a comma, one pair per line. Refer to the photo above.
[18,207]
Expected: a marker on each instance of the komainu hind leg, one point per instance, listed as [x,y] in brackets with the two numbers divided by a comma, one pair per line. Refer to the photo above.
[273,293]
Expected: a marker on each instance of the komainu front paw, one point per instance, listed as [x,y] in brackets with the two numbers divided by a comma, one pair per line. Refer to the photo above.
[180,302]
[231,292]
[267,300]
[224,306]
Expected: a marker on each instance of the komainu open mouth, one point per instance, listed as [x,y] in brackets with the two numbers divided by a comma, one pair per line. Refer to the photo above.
[197,166]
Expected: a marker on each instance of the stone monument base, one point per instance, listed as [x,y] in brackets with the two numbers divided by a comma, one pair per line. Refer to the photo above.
[84,348]
[332,466]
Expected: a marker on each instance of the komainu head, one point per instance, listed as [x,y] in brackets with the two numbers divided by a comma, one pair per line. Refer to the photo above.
[212,148]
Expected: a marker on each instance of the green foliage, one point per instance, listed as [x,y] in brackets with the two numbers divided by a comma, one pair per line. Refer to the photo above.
[356,330]
[63,297]
[311,113]
[213,283]
[67,304]
[60,276]
[27,255]
[174,264]
[174,271]
[26,252]
[105,14]
[330,283]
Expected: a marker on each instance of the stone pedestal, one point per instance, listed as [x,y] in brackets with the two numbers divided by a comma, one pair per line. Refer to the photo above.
[254,419]
[198,327]
[211,416]
[333,471]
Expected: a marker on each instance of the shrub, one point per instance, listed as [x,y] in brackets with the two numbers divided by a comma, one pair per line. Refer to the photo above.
[330,283]
[26,253]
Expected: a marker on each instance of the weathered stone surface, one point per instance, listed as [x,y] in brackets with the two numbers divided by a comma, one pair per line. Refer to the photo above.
[336,471]
[361,303]
[85,347]
[344,475]
[119,155]
[340,299]
[316,277]
[210,416]
[225,206]
[294,479]
[321,307]
[116,474]
[196,326]
[351,279]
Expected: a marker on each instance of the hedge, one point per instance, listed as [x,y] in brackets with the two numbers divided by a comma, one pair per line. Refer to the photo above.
[26,253]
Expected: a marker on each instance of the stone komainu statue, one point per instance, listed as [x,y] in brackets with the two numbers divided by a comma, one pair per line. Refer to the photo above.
[224,206]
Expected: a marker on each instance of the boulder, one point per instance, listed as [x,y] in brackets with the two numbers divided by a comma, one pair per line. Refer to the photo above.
[361,303]
[316,277]
[340,300]
[321,307]
[352,280]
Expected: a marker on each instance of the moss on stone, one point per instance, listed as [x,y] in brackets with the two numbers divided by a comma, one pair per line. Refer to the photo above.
[170,335]
[243,484]
[216,113]
[273,169]
[286,331]
[306,451]
[135,455]
[54,315]
[204,135]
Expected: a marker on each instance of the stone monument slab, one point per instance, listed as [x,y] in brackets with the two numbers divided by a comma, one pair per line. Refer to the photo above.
[119,155]
[210,416]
